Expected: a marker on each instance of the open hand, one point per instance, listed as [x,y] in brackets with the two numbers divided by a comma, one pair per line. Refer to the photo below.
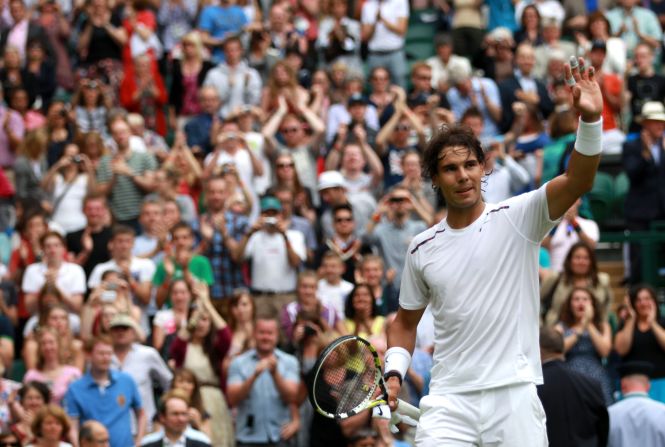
[587,97]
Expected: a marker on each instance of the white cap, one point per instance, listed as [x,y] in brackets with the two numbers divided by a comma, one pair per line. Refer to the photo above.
[331,179]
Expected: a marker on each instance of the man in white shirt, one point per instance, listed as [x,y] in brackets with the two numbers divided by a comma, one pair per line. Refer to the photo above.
[138,271]
[637,419]
[478,270]
[571,230]
[384,26]
[235,81]
[143,363]
[55,272]
[276,255]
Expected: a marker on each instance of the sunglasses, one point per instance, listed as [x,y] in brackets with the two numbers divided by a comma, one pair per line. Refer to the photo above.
[290,130]
[284,165]
[10,444]
[397,199]
[402,127]
[344,219]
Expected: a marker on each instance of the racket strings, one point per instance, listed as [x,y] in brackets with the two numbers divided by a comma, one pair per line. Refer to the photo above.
[347,379]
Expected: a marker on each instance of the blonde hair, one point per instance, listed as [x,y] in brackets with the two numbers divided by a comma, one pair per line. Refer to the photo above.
[194,37]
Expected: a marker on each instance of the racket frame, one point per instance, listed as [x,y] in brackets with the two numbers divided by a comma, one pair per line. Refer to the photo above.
[368,402]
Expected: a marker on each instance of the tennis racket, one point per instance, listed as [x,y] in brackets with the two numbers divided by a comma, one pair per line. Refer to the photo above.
[346,378]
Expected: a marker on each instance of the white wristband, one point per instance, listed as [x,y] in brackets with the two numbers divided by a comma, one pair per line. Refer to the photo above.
[381,412]
[589,140]
[397,359]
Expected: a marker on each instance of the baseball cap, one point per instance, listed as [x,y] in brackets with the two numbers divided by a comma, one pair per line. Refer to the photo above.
[124,320]
[331,179]
[356,98]
[598,44]
[270,203]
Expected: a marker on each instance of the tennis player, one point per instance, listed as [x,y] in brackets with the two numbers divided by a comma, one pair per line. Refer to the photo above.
[478,270]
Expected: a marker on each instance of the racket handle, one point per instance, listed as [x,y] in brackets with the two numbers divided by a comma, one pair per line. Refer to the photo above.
[407,409]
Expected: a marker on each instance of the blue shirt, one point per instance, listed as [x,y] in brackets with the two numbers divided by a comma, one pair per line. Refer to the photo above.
[459,104]
[262,414]
[197,132]
[110,404]
[219,22]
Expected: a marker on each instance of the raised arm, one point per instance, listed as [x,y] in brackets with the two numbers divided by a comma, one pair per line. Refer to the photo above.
[565,189]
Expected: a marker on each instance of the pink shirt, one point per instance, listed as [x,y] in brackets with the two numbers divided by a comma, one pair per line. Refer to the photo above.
[17,128]
[18,37]
[59,386]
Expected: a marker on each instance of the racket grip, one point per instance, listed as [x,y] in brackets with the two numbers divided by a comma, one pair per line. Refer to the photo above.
[406,409]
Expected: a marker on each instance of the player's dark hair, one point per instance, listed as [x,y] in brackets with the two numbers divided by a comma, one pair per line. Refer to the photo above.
[446,137]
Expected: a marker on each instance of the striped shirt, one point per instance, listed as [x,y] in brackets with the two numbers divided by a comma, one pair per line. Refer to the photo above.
[126,196]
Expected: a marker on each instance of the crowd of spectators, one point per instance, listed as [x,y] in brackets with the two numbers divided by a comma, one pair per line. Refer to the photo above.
[197,197]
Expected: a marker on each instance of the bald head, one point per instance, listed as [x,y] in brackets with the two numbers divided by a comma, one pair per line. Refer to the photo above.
[93,434]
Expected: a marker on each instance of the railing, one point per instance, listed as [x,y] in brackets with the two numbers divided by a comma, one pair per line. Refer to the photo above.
[652,253]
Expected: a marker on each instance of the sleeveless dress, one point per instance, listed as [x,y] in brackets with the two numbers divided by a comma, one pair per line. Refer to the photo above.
[213,398]
[584,359]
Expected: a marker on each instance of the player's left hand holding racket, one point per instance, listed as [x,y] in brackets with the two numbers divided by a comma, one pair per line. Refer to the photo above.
[347,377]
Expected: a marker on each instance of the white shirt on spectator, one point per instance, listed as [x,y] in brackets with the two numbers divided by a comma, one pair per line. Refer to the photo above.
[391,10]
[141,269]
[334,296]
[338,115]
[505,179]
[271,270]
[71,278]
[565,237]
[69,212]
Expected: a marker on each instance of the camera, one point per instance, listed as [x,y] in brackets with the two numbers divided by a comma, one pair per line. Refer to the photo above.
[77,159]
[108,295]
[270,221]
[309,331]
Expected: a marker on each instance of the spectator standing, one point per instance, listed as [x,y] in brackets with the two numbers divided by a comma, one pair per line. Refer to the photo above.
[522,86]
[49,367]
[644,86]
[580,269]
[636,420]
[142,363]
[189,71]
[69,181]
[67,277]
[634,24]
[339,36]
[640,338]
[391,229]
[237,84]
[89,246]
[467,27]
[573,403]
[107,396]
[587,337]
[384,25]
[125,177]
[198,129]
[217,22]
[201,347]
[262,384]
[568,232]
[180,262]
[23,31]
[644,163]
[276,255]
[221,233]
[138,272]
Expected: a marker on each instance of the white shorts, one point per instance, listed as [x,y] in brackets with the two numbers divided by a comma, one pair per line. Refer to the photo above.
[510,416]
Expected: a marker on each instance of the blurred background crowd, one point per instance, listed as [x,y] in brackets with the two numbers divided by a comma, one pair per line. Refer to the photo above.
[197,197]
